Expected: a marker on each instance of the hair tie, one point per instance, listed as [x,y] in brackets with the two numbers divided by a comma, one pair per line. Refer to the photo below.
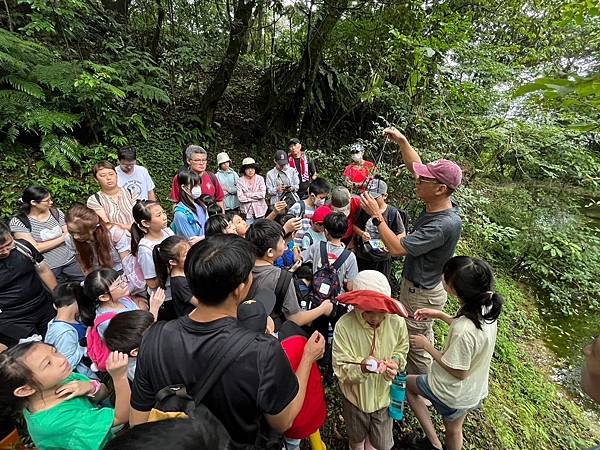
[491,293]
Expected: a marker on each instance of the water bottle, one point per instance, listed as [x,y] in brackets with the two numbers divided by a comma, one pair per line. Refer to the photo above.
[397,396]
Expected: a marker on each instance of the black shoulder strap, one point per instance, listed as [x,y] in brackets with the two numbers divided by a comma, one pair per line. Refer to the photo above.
[341,259]
[239,340]
[97,197]
[285,277]
[214,180]
[55,213]
[25,251]
[302,209]
[324,257]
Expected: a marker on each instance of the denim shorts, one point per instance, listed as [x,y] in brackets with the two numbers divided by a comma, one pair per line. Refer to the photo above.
[449,414]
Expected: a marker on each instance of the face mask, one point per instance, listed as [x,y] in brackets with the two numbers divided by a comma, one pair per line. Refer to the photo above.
[196,192]
[357,157]
[319,202]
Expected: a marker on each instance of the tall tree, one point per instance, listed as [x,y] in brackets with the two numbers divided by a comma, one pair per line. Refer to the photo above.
[238,35]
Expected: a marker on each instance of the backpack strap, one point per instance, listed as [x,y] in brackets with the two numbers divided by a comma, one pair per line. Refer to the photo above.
[341,259]
[302,209]
[97,197]
[285,277]
[26,252]
[239,340]
[103,318]
[324,257]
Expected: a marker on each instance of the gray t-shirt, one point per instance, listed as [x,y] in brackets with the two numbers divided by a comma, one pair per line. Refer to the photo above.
[347,271]
[430,246]
[266,277]
[45,231]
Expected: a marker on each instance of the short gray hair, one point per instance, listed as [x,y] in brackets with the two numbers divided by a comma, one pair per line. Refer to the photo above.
[192,150]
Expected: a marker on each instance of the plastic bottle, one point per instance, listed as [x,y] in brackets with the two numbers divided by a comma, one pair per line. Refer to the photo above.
[397,396]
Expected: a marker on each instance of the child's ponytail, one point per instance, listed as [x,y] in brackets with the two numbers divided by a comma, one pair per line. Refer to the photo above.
[473,281]
[164,252]
[97,283]
[142,210]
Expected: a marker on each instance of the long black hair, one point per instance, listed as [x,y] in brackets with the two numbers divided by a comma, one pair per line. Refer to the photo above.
[473,281]
[162,254]
[32,194]
[190,179]
[142,210]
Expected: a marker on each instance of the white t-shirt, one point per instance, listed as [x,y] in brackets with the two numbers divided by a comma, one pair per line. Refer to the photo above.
[466,348]
[138,182]
[146,261]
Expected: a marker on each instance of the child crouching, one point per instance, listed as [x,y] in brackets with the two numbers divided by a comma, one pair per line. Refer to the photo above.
[370,344]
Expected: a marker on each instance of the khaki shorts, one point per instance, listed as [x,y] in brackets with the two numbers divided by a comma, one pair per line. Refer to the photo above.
[376,425]
[419,361]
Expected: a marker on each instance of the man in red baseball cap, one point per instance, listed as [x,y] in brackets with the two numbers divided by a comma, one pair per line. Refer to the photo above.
[429,246]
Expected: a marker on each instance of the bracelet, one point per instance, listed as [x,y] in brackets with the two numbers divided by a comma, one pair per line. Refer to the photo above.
[97,385]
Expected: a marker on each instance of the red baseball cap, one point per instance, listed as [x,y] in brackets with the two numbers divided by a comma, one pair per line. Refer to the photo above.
[443,170]
[320,213]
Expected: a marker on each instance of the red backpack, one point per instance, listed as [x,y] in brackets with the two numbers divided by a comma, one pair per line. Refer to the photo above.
[313,413]
[97,350]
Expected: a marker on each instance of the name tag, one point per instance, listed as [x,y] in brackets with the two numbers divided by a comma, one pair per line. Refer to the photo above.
[324,289]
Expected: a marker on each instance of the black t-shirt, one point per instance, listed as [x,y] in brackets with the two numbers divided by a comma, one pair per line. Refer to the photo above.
[260,381]
[181,296]
[22,292]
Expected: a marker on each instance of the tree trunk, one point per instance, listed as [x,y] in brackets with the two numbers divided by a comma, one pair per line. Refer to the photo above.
[160,17]
[237,38]
[299,84]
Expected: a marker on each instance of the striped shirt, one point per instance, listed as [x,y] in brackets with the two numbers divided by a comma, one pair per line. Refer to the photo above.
[46,231]
[117,208]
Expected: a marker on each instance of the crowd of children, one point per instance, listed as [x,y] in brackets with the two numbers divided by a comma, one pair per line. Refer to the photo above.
[111,316]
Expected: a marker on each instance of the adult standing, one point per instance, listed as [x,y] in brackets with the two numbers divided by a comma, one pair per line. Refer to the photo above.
[25,284]
[281,179]
[44,227]
[228,180]
[251,191]
[133,177]
[359,171]
[112,203]
[197,160]
[429,246]
[305,167]
[258,396]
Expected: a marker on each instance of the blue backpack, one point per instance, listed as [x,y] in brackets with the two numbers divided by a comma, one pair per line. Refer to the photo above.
[188,215]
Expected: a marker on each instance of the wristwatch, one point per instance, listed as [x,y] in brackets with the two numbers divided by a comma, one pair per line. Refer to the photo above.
[376,221]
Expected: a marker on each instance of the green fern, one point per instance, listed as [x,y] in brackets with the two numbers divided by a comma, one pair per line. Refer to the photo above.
[148,92]
[60,76]
[61,151]
[49,121]
[20,84]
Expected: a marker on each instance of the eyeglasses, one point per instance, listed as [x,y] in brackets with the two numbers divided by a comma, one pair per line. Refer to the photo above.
[198,161]
[426,180]
[48,200]
[121,281]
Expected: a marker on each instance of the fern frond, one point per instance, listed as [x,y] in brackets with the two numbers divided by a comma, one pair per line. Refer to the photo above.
[49,121]
[60,76]
[148,92]
[60,151]
[20,84]
[9,60]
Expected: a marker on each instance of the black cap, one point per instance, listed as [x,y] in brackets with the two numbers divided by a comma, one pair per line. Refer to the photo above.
[281,157]
[253,313]
[293,141]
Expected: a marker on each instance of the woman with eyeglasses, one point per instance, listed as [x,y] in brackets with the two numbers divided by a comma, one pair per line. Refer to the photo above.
[43,226]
